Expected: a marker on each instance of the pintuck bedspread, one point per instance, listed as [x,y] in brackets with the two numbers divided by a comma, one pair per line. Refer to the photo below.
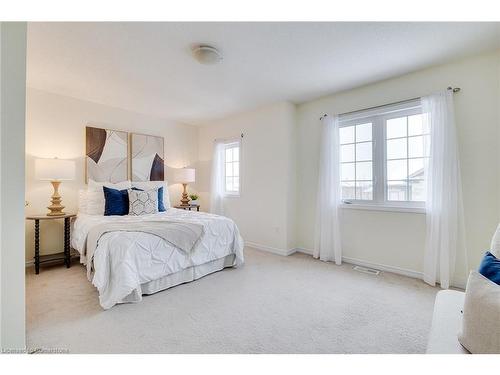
[123,260]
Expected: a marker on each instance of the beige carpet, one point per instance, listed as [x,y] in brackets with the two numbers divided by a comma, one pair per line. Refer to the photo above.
[273,304]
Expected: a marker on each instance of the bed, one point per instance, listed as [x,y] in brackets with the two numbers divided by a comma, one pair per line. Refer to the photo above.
[127,264]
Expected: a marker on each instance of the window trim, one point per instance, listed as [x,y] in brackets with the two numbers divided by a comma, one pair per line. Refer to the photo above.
[378,118]
[231,143]
[379,207]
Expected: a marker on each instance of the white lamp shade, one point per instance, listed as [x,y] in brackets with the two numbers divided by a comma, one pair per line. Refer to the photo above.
[184,175]
[54,169]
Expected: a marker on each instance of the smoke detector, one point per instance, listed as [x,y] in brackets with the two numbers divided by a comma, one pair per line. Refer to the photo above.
[206,55]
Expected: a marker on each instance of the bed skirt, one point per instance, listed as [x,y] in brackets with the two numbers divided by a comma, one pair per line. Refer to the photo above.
[185,276]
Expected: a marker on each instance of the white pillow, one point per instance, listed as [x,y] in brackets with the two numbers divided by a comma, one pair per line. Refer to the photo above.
[82,201]
[142,202]
[95,202]
[147,185]
[495,243]
[481,317]
[90,202]
[97,186]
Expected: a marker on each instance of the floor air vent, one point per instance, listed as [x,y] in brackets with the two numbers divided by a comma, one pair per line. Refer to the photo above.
[369,271]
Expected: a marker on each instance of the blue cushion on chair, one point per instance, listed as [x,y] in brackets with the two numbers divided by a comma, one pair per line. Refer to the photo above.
[490,267]
[116,201]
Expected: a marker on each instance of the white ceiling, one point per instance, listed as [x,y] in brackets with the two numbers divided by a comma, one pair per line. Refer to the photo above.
[147,67]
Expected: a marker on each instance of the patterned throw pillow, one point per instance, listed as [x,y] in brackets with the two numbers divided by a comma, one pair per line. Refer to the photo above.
[143,202]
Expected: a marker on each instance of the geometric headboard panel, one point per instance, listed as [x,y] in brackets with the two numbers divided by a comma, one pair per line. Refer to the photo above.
[147,157]
[109,153]
[106,155]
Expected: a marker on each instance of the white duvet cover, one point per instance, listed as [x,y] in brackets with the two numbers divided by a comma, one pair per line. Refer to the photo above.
[125,260]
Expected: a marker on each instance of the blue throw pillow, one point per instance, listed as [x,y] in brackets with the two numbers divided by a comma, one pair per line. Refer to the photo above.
[116,201]
[490,267]
[161,206]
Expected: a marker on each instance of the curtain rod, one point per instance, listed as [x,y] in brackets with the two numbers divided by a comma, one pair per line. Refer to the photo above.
[228,139]
[454,89]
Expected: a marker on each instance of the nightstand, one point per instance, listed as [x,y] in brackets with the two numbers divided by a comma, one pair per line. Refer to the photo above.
[65,255]
[189,207]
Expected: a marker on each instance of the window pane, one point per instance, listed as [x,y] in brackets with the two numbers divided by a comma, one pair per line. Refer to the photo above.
[396,127]
[363,151]
[348,190]
[347,172]
[415,126]
[417,190]
[416,147]
[236,154]
[236,169]
[396,170]
[346,153]
[396,190]
[229,183]
[364,190]
[416,168]
[364,170]
[396,148]
[229,169]
[364,132]
[229,154]
[346,134]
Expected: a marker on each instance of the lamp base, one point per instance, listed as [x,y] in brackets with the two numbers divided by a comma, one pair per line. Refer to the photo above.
[185,198]
[56,208]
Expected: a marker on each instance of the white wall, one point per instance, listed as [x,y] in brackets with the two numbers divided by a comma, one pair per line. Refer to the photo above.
[265,209]
[55,126]
[397,239]
[12,121]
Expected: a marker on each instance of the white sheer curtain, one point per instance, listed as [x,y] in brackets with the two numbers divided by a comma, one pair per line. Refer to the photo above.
[444,209]
[327,244]
[217,177]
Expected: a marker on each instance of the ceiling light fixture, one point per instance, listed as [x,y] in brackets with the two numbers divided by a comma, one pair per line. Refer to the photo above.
[206,55]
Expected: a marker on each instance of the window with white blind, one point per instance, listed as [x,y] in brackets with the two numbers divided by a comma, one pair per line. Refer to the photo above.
[232,168]
[383,152]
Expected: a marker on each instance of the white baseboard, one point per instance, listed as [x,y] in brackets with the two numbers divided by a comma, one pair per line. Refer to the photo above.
[304,251]
[270,249]
[378,266]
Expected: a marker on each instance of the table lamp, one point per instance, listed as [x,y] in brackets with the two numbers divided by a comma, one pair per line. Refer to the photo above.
[184,176]
[55,170]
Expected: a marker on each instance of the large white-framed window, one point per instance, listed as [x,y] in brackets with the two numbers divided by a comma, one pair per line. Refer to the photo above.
[232,153]
[383,153]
